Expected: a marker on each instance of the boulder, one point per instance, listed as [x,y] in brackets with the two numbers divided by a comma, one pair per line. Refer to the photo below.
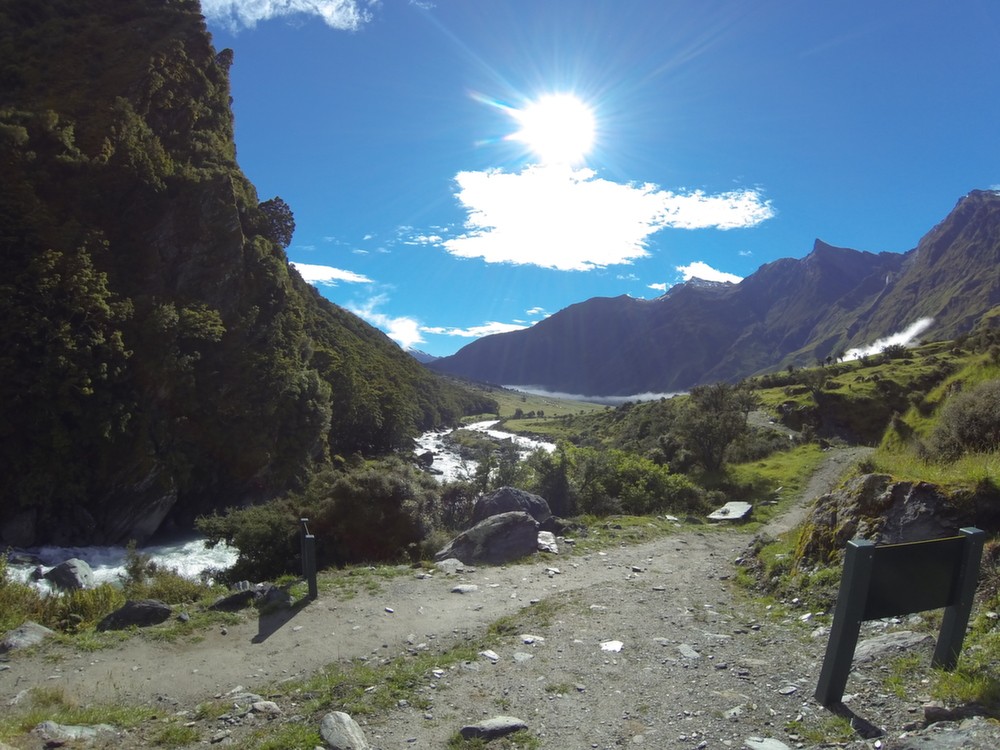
[497,540]
[138,612]
[341,732]
[234,602]
[27,635]
[72,574]
[507,499]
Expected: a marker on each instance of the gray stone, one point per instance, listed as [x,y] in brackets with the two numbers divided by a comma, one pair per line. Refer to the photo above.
[507,499]
[465,588]
[138,612]
[687,652]
[976,733]
[235,601]
[498,539]
[72,574]
[760,743]
[341,732]
[491,729]
[59,734]
[452,566]
[547,542]
[901,640]
[27,635]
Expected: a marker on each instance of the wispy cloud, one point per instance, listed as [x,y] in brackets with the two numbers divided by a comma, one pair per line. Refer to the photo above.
[328,275]
[658,287]
[476,332]
[701,270]
[536,311]
[572,220]
[344,15]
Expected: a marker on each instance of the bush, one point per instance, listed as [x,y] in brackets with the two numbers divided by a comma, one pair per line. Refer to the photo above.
[376,511]
[969,422]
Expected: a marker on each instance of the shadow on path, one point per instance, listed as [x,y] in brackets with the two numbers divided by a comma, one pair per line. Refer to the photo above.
[271,622]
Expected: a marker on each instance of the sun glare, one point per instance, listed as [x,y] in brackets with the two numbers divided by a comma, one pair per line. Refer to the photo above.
[558,128]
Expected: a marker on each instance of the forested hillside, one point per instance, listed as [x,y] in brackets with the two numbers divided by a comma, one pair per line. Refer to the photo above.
[159,358]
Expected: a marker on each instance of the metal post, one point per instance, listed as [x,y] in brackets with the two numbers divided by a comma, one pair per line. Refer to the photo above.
[956,614]
[308,557]
[847,618]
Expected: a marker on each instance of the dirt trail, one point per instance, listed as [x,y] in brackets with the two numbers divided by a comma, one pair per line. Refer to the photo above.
[695,667]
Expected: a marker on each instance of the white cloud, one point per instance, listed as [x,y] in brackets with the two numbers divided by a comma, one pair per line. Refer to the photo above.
[658,287]
[746,253]
[476,332]
[701,270]
[570,219]
[344,15]
[328,275]
[403,330]
[536,311]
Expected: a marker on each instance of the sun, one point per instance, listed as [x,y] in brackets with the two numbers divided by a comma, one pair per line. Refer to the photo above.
[558,128]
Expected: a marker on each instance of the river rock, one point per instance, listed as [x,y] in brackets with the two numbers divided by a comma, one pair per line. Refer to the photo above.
[138,612]
[72,574]
[341,732]
[507,499]
[491,729]
[27,635]
[498,539]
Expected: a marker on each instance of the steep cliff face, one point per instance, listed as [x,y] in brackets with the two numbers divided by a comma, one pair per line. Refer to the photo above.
[158,356]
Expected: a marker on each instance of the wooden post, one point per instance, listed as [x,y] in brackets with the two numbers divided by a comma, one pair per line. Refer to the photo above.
[847,618]
[308,557]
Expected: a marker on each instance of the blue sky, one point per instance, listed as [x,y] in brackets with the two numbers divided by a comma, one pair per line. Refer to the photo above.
[441,193]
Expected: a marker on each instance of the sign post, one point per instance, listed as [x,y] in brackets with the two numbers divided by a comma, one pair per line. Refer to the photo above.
[900,579]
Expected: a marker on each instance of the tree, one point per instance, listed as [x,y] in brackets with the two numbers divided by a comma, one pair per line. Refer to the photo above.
[277,221]
[713,418]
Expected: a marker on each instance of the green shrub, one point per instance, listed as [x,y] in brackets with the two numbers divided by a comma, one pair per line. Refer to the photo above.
[969,422]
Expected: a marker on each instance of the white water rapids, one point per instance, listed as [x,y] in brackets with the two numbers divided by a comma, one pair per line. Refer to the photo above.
[452,466]
[190,557]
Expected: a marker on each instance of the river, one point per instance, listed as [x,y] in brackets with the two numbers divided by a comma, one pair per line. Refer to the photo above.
[190,557]
[453,467]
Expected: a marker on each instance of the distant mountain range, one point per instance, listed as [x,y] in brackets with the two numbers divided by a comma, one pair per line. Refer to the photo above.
[789,312]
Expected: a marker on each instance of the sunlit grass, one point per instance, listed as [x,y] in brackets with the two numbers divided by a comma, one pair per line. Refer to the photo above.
[967,471]
[52,704]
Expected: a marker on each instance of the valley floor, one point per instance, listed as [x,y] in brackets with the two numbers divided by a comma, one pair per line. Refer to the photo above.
[701,664]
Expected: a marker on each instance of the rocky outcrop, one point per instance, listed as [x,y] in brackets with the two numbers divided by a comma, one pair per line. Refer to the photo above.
[498,539]
[507,499]
[876,508]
